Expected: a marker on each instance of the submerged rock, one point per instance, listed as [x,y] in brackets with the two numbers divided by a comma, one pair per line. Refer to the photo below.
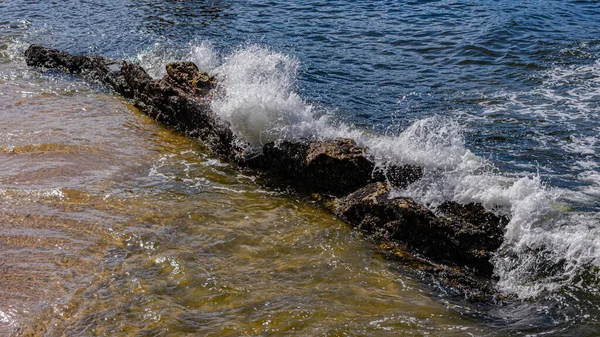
[452,280]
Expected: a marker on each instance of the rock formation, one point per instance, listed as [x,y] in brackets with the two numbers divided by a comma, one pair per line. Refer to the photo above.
[460,235]
[454,243]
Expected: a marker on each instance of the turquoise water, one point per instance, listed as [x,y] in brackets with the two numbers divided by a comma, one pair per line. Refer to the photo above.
[498,101]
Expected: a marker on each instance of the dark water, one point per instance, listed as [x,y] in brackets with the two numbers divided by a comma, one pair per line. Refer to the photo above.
[499,101]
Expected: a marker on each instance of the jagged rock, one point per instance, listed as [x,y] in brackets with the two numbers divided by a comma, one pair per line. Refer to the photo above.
[186,76]
[337,166]
[180,99]
[465,240]
[286,158]
[457,236]
[334,166]
[479,232]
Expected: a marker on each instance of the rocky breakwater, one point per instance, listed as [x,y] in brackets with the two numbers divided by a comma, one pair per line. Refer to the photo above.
[180,99]
[453,244]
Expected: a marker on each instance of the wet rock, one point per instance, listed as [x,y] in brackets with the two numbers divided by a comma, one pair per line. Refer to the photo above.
[465,240]
[186,76]
[398,175]
[454,244]
[450,280]
[180,99]
[334,166]
[458,282]
[478,232]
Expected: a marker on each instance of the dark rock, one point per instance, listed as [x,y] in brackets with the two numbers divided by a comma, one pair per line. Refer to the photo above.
[451,280]
[479,232]
[461,283]
[180,99]
[461,240]
[285,158]
[335,166]
[398,175]
[186,76]
[456,243]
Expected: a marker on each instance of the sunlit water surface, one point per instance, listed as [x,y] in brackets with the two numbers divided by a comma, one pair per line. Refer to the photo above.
[111,224]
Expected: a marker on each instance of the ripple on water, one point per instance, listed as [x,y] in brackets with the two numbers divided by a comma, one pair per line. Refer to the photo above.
[151,235]
[112,229]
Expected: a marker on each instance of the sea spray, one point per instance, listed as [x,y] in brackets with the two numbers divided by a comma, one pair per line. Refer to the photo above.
[550,256]
[552,239]
[155,59]
[545,248]
[258,99]
[261,105]
[205,56]
[256,94]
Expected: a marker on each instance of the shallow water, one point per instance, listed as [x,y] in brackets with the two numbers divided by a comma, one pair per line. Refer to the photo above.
[115,225]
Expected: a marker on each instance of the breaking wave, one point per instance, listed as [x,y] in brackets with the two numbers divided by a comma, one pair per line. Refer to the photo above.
[547,245]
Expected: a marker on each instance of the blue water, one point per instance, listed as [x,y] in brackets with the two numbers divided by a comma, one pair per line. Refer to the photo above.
[383,64]
[515,84]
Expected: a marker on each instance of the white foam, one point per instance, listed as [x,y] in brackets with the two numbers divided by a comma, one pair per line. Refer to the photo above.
[205,56]
[592,190]
[566,93]
[546,248]
[546,257]
[262,105]
[582,145]
[434,143]
[258,98]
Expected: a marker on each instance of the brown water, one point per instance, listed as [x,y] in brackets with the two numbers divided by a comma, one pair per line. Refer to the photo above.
[113,225]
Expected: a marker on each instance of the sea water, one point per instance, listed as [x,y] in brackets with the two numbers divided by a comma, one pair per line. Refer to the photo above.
[497,101]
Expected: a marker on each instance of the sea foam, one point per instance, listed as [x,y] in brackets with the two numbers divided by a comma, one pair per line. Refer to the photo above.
[257,97]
